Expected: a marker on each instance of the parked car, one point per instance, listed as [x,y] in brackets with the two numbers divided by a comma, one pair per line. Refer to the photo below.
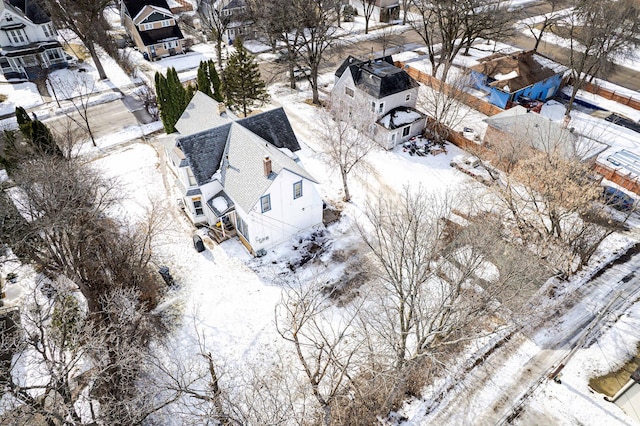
[198,244]
[617,199]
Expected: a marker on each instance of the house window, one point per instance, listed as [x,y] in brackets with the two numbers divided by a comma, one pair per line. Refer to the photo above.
[408,97]
[373,107]
[16,36]
[242,227]
[381,107]
[54,54]
[265,203]
[46,30]
[147,27]
[297,190]
[405,131]
[393,139]
[197,207]
[348,91]
[166,23]
[170,45]
[192,178]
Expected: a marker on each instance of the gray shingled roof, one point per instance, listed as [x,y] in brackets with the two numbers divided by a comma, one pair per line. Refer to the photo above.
[31,10]
[243,176]
[274,127]
[378,77]
[204,151]
[201,114]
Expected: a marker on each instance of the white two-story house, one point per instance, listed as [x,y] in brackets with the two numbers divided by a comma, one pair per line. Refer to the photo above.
[379,98]
[152,27]
[28,41]
[242,174]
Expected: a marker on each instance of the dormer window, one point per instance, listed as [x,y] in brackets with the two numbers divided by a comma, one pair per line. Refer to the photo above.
[17,36]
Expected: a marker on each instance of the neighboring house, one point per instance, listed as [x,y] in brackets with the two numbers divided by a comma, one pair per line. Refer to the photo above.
[508,77]
[383,10]
[238,25]
[28,41]
[381,96]
[242,174]
[152,27]
[511,131]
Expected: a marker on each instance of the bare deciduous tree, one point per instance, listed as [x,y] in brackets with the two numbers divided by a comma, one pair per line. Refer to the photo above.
[446,26]
[325,342]
[345,144]
[368,7]
[537,27]
[86,19]
[78,91]
[214,22]
[600,32]
[434,290]
[443,102]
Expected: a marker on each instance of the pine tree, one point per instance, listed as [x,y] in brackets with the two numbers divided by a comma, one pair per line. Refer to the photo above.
[42,139]
[243,87]
[24,122]
[216,84]
[172,98]
[204,83]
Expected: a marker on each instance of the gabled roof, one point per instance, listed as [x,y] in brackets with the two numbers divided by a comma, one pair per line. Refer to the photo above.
[538,131]
[378,77]
[243,176]
[204,151]
[274,127]
[135,6]
[515,71]
[31,10]
[201,114]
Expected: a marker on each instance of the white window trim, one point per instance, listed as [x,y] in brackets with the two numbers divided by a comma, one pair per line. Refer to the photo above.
[265,199]
[297,185]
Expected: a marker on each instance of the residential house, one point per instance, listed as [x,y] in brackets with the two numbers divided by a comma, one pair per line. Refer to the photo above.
[28,41]
[511,134]
[506,78]
[383,10]
[242,174]
[380,98]
[237,23]
[153,28]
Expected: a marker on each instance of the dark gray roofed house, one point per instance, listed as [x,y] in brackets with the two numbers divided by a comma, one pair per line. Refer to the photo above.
[238,175]
[370,93]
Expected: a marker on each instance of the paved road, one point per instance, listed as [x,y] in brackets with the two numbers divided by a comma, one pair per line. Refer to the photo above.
[104,119]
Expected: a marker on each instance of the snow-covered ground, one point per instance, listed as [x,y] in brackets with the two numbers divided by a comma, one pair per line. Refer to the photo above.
[228,298]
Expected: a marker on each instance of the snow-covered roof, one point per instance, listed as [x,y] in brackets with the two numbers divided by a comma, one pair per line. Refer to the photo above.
[399,117]
[378,77]
[201,114]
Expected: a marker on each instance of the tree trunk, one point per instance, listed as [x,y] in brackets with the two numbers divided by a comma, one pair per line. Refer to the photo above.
[96,59]
[219,52]
[345,187]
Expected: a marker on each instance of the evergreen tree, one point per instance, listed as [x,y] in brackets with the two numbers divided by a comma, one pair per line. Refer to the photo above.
[204,83]
[243,87]
[216,84]
[24,122]
[162,97]
[43,140]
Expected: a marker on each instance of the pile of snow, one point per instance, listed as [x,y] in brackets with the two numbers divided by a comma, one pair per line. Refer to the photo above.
[20,94]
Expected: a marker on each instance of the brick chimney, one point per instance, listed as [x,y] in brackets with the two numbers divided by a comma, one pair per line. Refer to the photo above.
[267,166]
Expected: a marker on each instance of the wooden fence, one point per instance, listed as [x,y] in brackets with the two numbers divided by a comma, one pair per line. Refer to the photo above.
[466,98]
[612,95]
[624,180]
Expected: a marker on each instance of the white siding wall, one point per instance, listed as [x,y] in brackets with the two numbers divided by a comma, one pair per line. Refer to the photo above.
[288,216]
[384,136]
[34,33]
